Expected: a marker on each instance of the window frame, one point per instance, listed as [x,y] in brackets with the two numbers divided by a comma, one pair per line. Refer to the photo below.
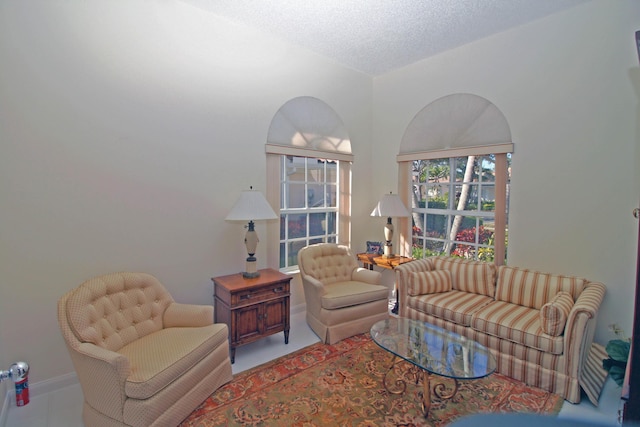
[274,195]
[405,180]
[303,206]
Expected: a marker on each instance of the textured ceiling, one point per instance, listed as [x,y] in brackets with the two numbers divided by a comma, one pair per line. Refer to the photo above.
[377,36]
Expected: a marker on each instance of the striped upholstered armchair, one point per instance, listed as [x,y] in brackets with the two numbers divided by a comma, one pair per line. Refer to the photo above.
[141,358]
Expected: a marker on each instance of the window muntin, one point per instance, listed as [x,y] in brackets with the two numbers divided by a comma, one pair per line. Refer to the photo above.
[308,205]
[454,207]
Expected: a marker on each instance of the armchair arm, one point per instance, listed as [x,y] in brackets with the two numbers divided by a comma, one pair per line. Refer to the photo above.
[187,315]
[365,275]
[102,374]
[581,325]
[313,292]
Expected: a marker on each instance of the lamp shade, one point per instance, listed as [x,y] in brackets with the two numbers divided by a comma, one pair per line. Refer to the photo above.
[390,205]
[251,206]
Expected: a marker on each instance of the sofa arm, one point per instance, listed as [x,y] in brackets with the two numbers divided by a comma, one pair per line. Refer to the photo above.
[402,278]
[102,374]
[365,275]
[581,325]
[187,315]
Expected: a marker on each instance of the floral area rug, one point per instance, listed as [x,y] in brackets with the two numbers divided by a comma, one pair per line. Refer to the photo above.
[341,385]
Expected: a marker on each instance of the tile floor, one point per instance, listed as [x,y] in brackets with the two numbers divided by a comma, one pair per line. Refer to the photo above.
[63,407]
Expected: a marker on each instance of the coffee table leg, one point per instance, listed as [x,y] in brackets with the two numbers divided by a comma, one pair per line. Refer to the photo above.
[399,384]
[426,394]
[439,391]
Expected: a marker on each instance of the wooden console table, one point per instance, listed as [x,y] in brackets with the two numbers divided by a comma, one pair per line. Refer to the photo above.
[369,260]
[252,308]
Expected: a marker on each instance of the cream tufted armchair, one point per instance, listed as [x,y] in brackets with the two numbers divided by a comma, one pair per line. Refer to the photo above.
[141,358]
[342,299]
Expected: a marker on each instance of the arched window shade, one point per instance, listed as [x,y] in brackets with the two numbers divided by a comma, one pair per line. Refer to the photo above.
[457,125]
[307,127]
[459,120]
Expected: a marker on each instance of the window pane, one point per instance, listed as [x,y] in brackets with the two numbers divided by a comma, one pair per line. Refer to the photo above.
[297,226]
[294,248]
[282,256]
[317,224]
[332,171]
[434,247]
[438,170]
[331,196]
[315,195]
[294,168]
[437,195]
[488,198]
[468,195]
[459,168]
[488,169]
[461,226]
[331,223]
[283,227]
[315,170]
[436,226]
[296,196]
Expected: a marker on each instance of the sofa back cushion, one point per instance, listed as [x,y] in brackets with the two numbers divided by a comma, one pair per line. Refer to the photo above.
[532,288]
[114,310]
[429,282]
[469,276]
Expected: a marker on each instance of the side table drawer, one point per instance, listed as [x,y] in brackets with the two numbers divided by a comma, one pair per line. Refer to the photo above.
[260,294]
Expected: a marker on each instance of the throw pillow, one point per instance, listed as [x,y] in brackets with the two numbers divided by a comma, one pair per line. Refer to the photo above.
[554,314]
[429,282]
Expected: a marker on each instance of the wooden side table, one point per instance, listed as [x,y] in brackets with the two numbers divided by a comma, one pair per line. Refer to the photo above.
[252,308]
[369,260]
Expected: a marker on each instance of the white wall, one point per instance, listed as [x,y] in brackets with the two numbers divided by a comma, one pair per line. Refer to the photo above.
[568,86]
[128,130]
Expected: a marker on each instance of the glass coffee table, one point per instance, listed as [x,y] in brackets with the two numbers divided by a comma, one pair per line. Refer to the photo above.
[431,350]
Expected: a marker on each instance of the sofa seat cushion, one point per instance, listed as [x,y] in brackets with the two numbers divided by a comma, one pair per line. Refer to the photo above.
[477,277]
[532,288]
[159,358]
[517,324]
[454,306]
[348,293]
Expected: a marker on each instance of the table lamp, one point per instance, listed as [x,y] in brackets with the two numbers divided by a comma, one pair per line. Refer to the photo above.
[390,206]
[251,206]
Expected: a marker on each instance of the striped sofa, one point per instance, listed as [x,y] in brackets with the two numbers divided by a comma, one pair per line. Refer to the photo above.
[539,326]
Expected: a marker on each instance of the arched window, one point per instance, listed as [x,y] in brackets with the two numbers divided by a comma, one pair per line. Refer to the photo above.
[309,177]
[454,169]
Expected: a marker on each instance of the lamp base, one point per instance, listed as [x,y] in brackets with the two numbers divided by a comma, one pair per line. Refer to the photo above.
[251,268]
[388,250]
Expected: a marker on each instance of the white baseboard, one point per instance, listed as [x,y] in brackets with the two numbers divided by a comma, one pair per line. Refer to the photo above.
[53,384]
[35,389]
[4,410]
[300,308]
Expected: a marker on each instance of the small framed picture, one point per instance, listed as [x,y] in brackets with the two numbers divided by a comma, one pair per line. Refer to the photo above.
[374,247]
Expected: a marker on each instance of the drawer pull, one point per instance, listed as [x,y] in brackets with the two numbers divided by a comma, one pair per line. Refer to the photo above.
[247,296]
[280,289]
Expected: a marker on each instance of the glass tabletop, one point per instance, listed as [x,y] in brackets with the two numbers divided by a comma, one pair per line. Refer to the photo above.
[434,349]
